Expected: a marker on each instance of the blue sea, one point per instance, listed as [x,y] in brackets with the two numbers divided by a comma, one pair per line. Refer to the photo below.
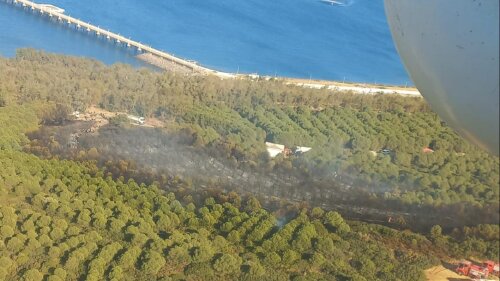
[294,38]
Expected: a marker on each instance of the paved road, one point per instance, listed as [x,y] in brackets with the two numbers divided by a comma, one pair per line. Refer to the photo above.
[368,89]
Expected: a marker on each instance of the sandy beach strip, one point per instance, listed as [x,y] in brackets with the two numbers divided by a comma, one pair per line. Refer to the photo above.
[358,88]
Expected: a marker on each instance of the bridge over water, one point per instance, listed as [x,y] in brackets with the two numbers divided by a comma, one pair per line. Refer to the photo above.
[157,57]
[57,13]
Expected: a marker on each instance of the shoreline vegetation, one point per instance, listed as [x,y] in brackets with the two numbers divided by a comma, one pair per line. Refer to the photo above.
[354,87]
[169,62]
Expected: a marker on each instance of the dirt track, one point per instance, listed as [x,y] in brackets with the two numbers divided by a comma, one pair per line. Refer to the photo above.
[355,88]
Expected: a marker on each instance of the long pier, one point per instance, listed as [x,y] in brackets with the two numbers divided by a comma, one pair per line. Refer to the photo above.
[142,48]
[160,58]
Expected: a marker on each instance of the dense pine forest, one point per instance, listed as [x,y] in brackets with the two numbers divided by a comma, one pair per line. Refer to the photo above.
[70,216]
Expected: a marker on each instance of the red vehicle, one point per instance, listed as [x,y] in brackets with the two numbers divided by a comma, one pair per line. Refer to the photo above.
[467,268]
[493,267]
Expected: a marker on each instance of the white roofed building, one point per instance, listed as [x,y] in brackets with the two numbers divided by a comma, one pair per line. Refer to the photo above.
[302,149]
[273,149]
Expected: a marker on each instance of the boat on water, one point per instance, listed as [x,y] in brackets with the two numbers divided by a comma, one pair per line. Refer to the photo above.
[334,2]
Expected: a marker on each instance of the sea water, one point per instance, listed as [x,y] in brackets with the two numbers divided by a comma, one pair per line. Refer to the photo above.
[294,38]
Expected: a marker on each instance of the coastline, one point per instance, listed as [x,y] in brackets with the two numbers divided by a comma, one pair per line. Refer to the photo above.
[169,62]
[358,88]
[165,65]
[355,87]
